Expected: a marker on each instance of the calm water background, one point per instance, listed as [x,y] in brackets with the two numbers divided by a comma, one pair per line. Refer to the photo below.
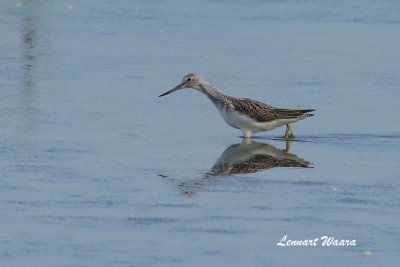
[98,171]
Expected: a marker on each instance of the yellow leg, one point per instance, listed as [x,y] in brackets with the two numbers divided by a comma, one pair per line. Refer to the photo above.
[287,146]
[287,131]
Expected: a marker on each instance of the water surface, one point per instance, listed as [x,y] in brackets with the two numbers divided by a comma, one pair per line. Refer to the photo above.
[98,171]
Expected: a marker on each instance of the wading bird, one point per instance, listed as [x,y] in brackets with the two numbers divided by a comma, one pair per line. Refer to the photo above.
[250,116]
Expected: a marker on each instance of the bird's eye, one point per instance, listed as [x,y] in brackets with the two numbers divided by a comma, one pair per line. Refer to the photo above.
[188,79]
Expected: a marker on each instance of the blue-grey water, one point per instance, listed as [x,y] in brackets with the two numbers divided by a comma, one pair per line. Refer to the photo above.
[96,170]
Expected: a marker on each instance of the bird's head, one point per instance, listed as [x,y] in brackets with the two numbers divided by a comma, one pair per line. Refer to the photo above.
[190,80]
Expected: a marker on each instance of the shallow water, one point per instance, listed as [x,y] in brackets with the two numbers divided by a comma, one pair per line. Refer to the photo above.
[98,171]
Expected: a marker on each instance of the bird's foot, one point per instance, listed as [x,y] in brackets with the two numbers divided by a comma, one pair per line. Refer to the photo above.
[288,133]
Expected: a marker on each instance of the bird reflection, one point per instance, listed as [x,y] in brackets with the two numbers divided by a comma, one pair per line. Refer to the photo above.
[250,157]
[29,37]
[243,158]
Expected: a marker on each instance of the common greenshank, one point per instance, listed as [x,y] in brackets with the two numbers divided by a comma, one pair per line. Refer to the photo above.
[250,116]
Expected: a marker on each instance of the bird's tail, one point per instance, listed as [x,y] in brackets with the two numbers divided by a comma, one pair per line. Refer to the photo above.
[293,113]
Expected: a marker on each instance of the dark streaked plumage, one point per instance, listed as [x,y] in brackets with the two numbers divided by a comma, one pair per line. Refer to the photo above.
[262,112]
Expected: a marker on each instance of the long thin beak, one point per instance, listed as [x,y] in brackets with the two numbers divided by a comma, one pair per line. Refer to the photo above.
[176,88]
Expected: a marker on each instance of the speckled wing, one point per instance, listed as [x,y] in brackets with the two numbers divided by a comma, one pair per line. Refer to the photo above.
[263,113]
[256,110]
